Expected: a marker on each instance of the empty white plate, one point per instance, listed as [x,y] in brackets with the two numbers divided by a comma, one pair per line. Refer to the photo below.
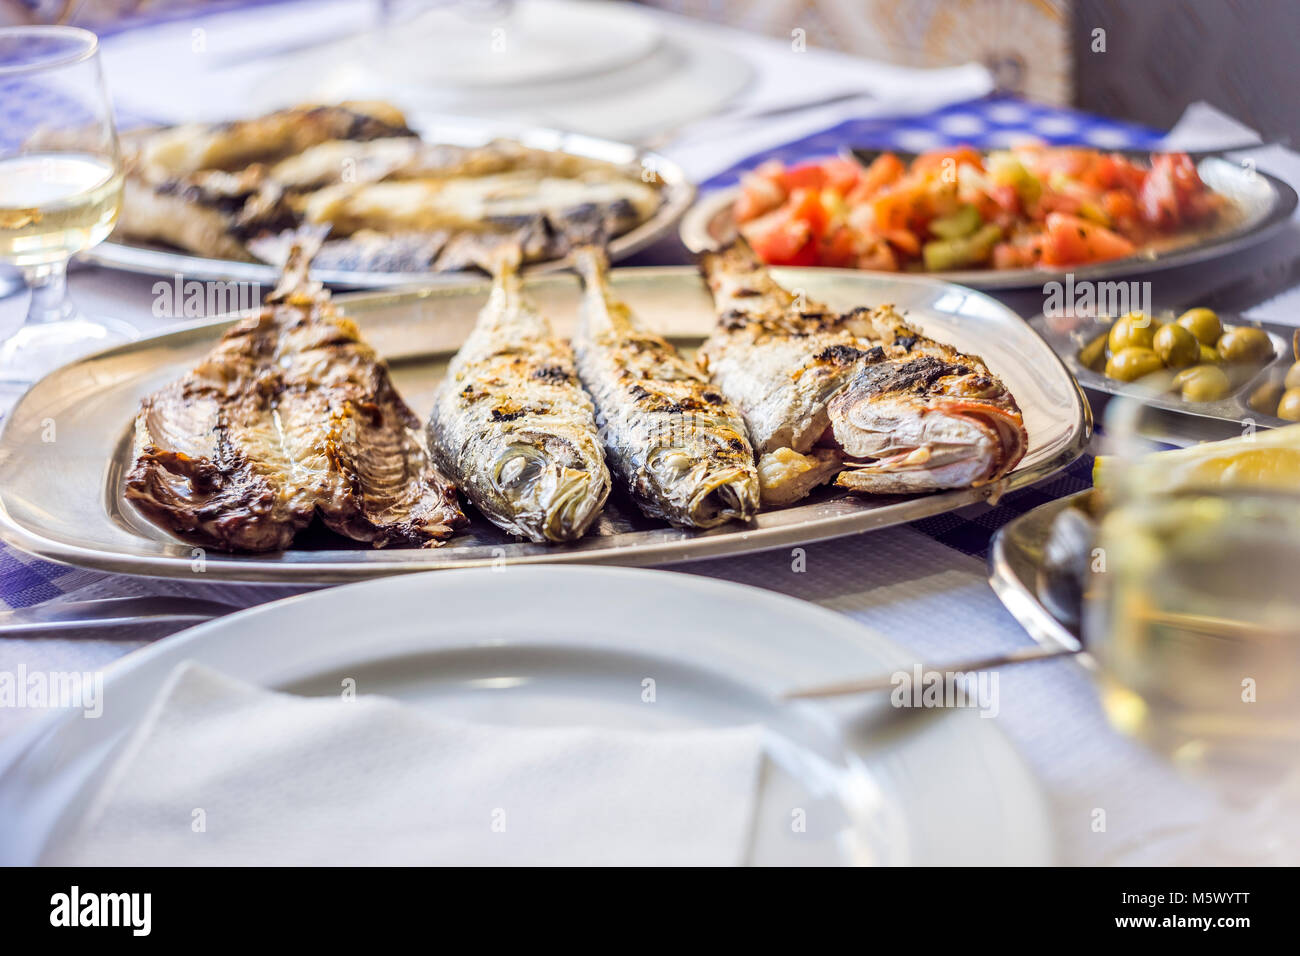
[853,781]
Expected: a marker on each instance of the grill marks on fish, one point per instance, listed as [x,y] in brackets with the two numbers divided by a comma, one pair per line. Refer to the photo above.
[677,446]
[513,427]
[393,203]
[290,416]
[861,391]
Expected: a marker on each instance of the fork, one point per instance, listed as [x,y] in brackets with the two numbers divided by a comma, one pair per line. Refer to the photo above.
[158,613]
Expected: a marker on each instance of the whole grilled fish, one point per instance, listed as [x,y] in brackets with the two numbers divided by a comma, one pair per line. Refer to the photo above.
[859,394]
[290,416]
[677,445]
[512,425]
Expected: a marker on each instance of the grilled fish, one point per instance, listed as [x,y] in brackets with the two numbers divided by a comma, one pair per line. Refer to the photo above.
[512,425]
[861,394]
[677,446]
[291,416]
[179,151]
[923,418]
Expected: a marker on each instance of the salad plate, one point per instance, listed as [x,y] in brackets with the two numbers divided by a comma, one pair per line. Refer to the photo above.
[1259,204]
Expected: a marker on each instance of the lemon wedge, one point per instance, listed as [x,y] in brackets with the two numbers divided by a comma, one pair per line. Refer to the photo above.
[1266,460]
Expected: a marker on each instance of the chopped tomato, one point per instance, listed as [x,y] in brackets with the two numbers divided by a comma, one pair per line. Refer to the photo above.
[839,249]
[841,175]
[937,159]
[884,170]
[880,257]
[806,205]
[758,195]
[806,176]
[1119,205]
[781,240]
[1052,206]
[1075,241]
[1169,194]
[903,240]
[1110,171]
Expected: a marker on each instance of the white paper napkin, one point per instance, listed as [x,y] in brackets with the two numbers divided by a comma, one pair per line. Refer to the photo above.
[221,772]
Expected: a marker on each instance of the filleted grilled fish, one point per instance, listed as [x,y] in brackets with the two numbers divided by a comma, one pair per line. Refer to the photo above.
[677,445]
[178,151]
[861,395]
[512,425]
[290,417]
[205,187]
[393,202]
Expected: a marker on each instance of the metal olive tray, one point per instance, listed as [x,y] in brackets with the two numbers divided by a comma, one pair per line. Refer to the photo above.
[677,191]
[1016,566]
[67,443]
[1264,204]
[1068,334]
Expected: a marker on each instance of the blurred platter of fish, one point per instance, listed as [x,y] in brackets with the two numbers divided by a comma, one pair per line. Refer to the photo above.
[224,200]
[632,417]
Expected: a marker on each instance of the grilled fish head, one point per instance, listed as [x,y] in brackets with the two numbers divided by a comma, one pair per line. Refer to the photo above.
[925,424]
[542,485]
[699,490]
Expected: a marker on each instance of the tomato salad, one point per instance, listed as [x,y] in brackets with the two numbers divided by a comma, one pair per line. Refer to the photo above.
[959,208]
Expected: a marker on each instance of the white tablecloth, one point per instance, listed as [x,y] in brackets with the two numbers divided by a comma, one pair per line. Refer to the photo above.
[930,598]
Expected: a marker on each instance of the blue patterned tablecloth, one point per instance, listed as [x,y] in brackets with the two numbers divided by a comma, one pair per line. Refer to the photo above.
[988,123]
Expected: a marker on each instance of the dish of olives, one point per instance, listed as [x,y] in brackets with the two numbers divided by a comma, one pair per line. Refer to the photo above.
[1203,359]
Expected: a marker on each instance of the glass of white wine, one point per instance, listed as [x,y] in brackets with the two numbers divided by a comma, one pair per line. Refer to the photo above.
[60,189]
[1195,625]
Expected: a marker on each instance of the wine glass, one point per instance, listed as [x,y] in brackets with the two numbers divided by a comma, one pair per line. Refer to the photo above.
[60,189]
[1194,620]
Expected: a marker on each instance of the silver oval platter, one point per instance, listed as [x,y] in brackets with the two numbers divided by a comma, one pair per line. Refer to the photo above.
[1263,203]
[1016,566]
[678,193]
[66,445]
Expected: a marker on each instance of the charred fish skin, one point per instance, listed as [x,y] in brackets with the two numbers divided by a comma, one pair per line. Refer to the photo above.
[678,447]
[290,416]
[512,426]
[209,466]
[860,396]
[779,357]
[925,417]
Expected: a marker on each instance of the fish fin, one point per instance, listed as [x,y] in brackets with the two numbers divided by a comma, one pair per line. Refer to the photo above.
[501,259]
[736,256]
[591,263]
[294,277]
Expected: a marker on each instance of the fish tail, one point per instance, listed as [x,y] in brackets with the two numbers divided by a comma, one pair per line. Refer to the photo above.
[294,278]
[591,264]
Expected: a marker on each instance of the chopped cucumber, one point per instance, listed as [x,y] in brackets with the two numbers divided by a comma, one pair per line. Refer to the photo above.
[940,255]
[961,223]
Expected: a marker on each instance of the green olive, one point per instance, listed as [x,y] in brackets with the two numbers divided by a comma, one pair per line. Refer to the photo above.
[1289,406]
[1135,330]
[1292,379]
[1208,354]
[1203,324]
[1245,344]
[1131,363]
[1093,355]
[1176,346]
[1264,399]
[1202,383]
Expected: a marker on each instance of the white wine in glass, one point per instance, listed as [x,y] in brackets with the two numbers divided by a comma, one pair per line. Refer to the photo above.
[60,190]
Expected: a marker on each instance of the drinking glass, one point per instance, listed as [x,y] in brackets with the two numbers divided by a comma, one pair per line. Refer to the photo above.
[60,189]
[1194,622]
